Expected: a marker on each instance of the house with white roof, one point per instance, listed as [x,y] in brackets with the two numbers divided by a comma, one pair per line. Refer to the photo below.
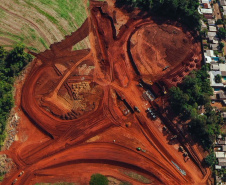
[206,11]
[212,28]
[205,1]
[224,10]
[209,53]
[220,155]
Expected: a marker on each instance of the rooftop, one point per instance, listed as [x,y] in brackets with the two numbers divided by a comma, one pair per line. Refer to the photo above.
[222,2]
[212,28]
[212,34]
[211,22]
[212,79]
[214,47]
[220,154]
[205,1]
[209,53]
[206,11]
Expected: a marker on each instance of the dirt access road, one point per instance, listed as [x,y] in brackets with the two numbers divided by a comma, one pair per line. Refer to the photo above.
[85,111]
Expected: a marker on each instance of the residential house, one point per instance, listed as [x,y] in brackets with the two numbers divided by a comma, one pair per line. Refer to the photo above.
[208,54]
[206,11]
[222,2]
[211,22]
[205,1]
[212,28]
[224,10]
[214,47]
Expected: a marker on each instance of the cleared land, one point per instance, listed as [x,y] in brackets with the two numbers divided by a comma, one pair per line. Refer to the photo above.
[85,112]
[38,24]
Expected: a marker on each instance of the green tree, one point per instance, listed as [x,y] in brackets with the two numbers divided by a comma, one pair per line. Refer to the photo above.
[219,21]
[211,159]
[218,78]
[184,11]
[98,179]
[221,33]
[221,45]
[216,53]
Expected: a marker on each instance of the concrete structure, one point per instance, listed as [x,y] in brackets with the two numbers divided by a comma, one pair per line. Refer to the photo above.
[206,11]
[222,2]
[211,22]
[220,155]
[212,28]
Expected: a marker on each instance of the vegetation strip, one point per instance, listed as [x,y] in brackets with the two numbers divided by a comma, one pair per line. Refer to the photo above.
[11,64]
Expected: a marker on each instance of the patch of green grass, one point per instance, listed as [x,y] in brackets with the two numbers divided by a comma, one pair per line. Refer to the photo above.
[67,15]
[2,13]
[48,16]
[137,177]
[59,183]
[2,175]
[125,183]
[13,37]
[43,43]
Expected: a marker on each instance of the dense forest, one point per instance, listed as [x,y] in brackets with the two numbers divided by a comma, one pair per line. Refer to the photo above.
[184,11]
[187,100]
[11,63]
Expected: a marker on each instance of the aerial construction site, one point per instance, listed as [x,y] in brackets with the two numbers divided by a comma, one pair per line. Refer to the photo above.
[103,109]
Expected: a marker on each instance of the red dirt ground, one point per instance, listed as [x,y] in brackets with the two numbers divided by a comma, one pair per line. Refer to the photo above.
[78,115]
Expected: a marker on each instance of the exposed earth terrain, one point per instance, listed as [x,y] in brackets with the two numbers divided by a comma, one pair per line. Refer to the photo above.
[85,111]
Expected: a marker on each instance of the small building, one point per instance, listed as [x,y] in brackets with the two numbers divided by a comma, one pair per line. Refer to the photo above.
[222,162]
[214,47]
[203,25]
[222,2]
[212,79]
[208,16]
[220,155]
[222,95]
[208,59]
[224,10]
[212,28]
[211,22]
[212,34]
[205,1]
[209,53]
[224,146]
[214,67]
[206,11]
[217,167]
[221,142]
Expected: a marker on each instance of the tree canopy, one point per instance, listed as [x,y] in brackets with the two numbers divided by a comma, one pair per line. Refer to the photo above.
[221,33]
[195,91]
[184,11]
[98,179]
[11,63]
[218,78]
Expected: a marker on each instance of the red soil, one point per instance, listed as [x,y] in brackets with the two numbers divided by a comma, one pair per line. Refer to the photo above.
[78,113]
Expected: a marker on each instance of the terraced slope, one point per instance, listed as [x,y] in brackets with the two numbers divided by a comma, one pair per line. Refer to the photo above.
[40,23]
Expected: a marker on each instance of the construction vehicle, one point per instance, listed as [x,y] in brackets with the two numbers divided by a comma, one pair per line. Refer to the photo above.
[185,154]
[164,90]
[143,150]
[14,181]
[165,68]
[181,148]
[136,109]
[21,173]
[174,137]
